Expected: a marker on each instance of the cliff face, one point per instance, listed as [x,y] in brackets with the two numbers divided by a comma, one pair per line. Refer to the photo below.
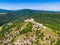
[30,32]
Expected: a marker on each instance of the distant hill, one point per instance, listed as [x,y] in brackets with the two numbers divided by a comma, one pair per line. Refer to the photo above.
[50,19]
[12,15]
[4,10]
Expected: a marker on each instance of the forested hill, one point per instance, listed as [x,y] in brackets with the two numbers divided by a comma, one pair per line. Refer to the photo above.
[50,19]
[11,15]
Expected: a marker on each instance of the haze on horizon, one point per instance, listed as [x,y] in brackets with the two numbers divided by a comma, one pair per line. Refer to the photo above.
[53,5]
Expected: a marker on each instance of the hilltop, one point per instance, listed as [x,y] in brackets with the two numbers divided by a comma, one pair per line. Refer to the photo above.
[28,32]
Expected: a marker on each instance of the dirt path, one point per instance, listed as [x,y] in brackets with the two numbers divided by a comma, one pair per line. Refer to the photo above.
[23,26]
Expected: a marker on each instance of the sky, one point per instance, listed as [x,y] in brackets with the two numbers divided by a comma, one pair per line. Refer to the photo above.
[53,5]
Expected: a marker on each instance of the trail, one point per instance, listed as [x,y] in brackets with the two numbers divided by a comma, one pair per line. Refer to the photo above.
[23,26]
